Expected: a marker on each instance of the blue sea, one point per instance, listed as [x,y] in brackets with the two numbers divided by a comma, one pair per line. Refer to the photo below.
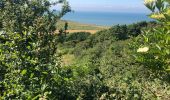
[106,18]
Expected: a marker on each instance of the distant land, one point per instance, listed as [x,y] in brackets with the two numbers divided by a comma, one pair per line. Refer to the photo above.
[80,27]
[106,18]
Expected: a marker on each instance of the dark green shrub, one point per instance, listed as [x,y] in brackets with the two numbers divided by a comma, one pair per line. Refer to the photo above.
[78,36]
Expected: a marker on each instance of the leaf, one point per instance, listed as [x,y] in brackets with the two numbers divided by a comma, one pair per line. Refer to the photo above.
[45,73]
[158,47]
[167,51]
[168,70]
[24,72]
[157,16]
[145,38]
[32,74]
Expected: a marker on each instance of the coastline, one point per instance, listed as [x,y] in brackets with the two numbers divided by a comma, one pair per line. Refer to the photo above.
[106,18]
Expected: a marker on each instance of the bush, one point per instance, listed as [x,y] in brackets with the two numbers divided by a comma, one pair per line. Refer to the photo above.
[28,63]
[78,36]
[154,45]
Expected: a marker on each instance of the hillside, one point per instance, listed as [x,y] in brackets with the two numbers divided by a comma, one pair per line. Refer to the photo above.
[104,60]
[121,62]
[80,27]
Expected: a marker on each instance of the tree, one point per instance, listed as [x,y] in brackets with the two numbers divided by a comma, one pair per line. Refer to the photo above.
[28,64]
[121,32]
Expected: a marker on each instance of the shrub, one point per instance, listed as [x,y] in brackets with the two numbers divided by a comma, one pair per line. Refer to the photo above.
[28,62]
[154,45]
[78,36]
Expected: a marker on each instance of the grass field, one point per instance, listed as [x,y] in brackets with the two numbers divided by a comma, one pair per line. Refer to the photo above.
[72,31]
[79,27]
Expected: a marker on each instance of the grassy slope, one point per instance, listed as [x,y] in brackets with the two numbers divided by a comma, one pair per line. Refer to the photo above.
[79,26]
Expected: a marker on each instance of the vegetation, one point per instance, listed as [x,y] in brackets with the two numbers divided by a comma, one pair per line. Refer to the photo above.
[111,58]
[78,26]
[122,62]
[28,63]
[154,44]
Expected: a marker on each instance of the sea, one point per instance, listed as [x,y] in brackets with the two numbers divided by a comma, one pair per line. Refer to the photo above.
[106,18]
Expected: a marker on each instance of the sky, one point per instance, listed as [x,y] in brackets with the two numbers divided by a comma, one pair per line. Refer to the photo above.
[135,6]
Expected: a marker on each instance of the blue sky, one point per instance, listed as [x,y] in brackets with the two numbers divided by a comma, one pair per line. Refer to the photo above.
[135,6]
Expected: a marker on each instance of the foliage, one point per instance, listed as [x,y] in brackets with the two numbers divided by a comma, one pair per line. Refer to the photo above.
[157,40]
[124,32]
[118,75]
[85,82]
[28,64]
[78,36]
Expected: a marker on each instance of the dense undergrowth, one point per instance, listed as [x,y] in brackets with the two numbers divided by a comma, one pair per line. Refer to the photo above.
[116,73]
[123,62]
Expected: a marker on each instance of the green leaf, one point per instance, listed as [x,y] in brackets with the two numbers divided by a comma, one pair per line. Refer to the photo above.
[158,46]
[24,72]
[32,74]
[45,73]
[167,52]
[168,70]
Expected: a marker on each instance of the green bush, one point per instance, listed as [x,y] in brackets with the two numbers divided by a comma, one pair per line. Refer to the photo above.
[78,36]
[154,45]
[72,39]
[28,63]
